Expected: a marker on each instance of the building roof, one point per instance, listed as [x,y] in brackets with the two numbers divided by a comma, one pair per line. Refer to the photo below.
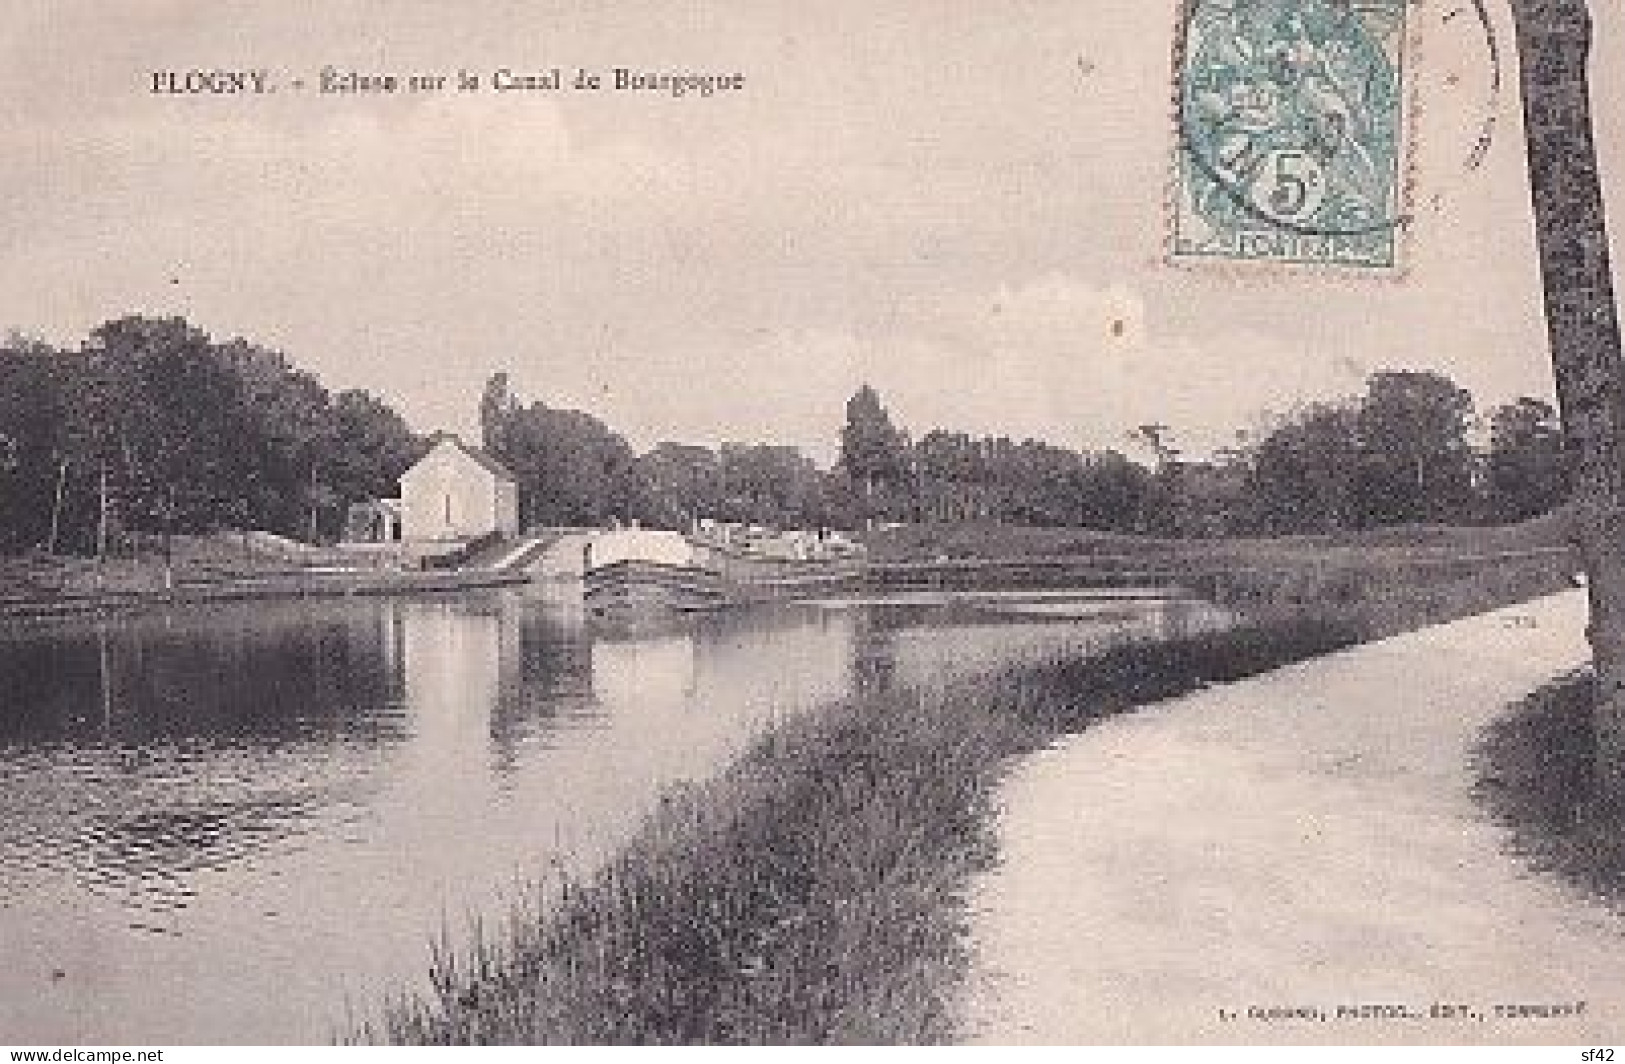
[483,460]
[389,506]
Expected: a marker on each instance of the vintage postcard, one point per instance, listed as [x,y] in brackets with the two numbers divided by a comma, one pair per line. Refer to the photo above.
[892,522]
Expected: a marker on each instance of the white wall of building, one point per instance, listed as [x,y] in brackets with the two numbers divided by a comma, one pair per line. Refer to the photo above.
[451,495]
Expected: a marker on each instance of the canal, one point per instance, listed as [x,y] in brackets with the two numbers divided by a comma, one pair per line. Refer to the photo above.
[245,823]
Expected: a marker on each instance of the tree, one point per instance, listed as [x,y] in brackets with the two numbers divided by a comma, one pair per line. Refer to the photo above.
[873,452]
[684,483]
[571,468]
[1157,439]
[773,485]
[952,477]
[1209,498]
[1303,474]
[1554,43]
[497,407]
[290,439]
[180,433]
[1415,463]
[368,446]
[1527,472]
[166,417]
[31,423]
[1120,495]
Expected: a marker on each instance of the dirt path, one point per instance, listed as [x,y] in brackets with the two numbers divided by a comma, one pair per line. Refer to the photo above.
[1305,840]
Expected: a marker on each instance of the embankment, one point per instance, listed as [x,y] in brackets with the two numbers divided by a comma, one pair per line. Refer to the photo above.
[292,584]
[215,568]
[970,540]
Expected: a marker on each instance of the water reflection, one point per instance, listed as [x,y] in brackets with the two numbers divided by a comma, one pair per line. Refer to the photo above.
[217,824]
[277,671]
[136,756]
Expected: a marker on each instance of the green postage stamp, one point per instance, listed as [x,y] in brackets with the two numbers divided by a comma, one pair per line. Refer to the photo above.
[1292,132]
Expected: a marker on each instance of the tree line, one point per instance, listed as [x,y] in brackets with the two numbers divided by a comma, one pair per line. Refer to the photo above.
[151,426]
[1408,450]
[573,469]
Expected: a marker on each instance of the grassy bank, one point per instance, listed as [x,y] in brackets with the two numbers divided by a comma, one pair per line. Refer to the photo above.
[1390,579]
[927,542]
[1537,774]
[813,893]
[149,566]
[221,567]
[1382,595]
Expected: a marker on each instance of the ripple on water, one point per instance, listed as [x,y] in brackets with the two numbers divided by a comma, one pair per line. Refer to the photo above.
[138,827]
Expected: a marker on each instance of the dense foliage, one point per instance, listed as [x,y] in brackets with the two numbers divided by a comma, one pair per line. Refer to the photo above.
[1404,452]
[152,426]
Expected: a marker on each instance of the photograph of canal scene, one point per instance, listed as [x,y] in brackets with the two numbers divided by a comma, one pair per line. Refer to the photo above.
[916,524]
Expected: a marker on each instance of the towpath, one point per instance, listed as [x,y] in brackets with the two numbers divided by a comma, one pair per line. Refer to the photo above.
[1304,842]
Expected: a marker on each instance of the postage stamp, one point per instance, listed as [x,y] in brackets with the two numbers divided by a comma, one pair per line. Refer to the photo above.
[1292,136]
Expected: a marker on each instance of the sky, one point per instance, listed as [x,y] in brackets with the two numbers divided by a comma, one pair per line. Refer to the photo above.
[961,202]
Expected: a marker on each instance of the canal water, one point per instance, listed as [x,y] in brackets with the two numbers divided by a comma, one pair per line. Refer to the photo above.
[243,823]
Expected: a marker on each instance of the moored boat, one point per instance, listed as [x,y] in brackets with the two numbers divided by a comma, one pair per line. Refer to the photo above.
[635,573]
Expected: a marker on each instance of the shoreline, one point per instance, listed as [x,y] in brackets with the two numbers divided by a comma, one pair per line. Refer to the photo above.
[362,583]
[1297,582]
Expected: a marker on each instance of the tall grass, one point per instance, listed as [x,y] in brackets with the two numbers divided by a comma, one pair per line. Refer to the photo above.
[1382,595]
[813,893]
[1537,774]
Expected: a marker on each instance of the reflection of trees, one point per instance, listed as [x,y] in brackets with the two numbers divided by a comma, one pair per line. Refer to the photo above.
[731,665]
[544,677]
[141,753]
[874,650]
[642,672]
[263,672]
